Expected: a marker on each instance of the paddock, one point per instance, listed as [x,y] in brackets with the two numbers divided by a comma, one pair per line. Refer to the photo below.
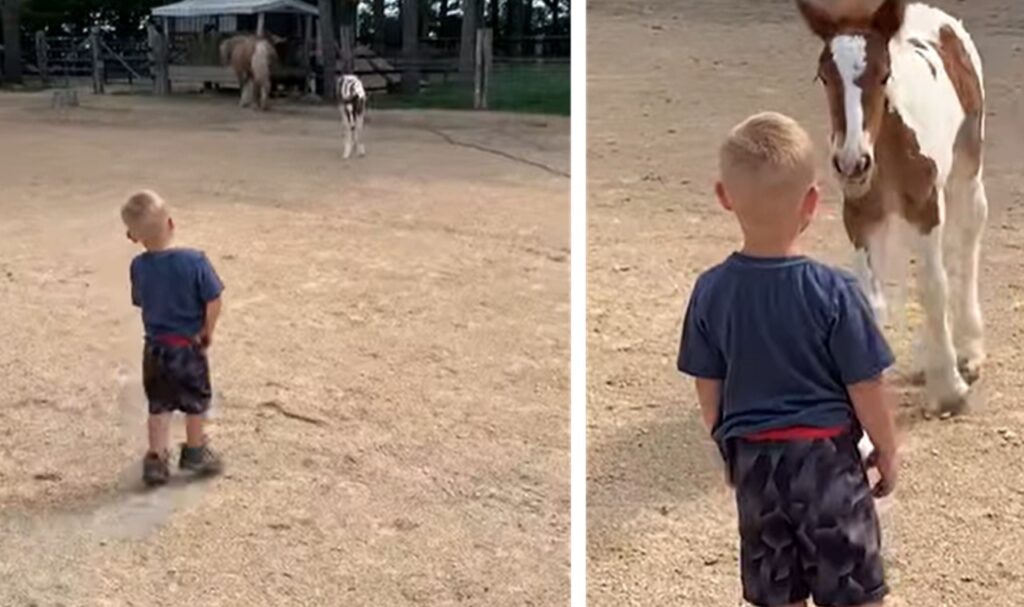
[390,373]
[666,81]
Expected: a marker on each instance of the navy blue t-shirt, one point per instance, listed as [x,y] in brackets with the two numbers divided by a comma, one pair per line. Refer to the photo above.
[173,287]
[786,336]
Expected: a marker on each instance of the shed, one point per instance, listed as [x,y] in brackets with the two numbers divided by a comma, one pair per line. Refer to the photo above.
[195,28]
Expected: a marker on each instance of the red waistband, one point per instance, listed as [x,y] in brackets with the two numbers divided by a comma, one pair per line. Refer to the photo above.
[795,433]
[175,341]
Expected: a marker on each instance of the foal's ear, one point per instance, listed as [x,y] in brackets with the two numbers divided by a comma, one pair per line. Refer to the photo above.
[821,21]
[888,19]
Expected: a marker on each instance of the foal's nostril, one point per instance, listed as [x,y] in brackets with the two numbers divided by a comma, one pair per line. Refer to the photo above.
[864,164]
[836,165]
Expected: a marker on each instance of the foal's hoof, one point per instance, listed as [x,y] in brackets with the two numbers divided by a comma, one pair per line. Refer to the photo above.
[952,406]
[969,370]
[916,378]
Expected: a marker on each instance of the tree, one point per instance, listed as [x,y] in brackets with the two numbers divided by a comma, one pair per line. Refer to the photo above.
[410,46]
[10,12]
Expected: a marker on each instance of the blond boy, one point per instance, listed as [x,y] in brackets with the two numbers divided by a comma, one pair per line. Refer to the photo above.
[788,364]
[180,296]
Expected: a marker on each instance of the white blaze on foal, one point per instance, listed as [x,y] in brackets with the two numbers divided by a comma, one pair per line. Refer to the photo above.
[906,99]
[352,105]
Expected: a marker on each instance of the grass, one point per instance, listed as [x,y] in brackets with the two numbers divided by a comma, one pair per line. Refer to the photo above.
[537,89]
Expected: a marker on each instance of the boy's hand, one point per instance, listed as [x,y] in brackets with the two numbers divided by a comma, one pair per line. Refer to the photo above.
[888,471]
[205,338]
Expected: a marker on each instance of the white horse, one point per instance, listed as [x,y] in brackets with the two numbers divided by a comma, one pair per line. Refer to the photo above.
[352,105]
[906,96]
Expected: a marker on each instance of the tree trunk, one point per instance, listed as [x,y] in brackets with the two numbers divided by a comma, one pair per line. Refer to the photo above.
[379,35]
[467,46]
[329,52]
[11,16]
[410,47]
[553,7]
[515,26]
[442,18]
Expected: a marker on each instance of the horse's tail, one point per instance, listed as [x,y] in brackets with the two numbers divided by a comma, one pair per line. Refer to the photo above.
[263,58]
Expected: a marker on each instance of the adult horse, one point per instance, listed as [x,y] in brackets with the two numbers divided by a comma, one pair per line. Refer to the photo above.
[906,97]
[251,56]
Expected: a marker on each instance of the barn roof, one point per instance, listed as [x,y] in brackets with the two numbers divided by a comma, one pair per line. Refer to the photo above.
[202,8]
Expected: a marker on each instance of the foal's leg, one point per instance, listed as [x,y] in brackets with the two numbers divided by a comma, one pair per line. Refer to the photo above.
[347,126]
[968,327]
[360,148]
[867,232]
[943,383]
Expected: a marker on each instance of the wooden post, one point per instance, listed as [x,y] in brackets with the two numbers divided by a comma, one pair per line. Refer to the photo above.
[307,54]
[97,61]
[467,45]
[482,71]
[328,48]
[410,47]
[261,21]
[42,59]
[347,49]
[159,52]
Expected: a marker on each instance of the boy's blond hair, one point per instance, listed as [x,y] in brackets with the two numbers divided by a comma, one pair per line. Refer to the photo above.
[145,215]
[767,160]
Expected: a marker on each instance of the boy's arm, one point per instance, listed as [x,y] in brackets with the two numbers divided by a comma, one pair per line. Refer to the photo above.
[870,403]
[700,357]
[709,393]
[212,314]
[210,289]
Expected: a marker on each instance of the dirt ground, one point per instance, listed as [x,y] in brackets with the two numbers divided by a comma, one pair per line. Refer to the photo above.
[666,81]
[391,370]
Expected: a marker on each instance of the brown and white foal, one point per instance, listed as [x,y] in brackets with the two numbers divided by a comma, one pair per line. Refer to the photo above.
[905,92]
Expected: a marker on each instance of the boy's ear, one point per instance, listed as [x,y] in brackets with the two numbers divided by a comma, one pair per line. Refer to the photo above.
[723,196]
[811,200]
[170,223]
[128,233]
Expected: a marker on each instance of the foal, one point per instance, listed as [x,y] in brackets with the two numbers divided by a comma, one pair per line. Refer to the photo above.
[905,93]
[352,105]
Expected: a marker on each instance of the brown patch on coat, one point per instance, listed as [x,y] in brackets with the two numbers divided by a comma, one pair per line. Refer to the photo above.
[967,84]
[904,182]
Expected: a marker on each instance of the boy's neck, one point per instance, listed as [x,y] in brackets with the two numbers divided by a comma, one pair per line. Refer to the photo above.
[753,248]
[157,247]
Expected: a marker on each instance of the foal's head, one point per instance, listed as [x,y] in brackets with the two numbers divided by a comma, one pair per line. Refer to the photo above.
[854,68]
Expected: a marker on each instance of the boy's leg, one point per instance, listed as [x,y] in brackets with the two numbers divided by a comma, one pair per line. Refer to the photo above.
[193,372]
[155,468]
[195,435]
[839,519]
[770,550]
[159,428]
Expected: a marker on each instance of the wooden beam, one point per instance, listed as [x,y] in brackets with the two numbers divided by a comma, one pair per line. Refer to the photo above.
[261,21]
[97,61]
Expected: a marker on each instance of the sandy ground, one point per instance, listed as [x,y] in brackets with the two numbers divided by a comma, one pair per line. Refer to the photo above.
[666,80]
[390,371]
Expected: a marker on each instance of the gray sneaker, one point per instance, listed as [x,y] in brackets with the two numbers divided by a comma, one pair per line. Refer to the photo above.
[201,460]
[155,469]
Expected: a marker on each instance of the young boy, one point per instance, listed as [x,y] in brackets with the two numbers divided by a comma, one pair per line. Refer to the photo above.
[179,293]
[788,364]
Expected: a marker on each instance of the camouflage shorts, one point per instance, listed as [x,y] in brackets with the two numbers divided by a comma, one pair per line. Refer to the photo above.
[808,525]
[176,378]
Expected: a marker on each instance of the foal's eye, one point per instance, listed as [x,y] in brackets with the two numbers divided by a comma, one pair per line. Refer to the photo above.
[887,78]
